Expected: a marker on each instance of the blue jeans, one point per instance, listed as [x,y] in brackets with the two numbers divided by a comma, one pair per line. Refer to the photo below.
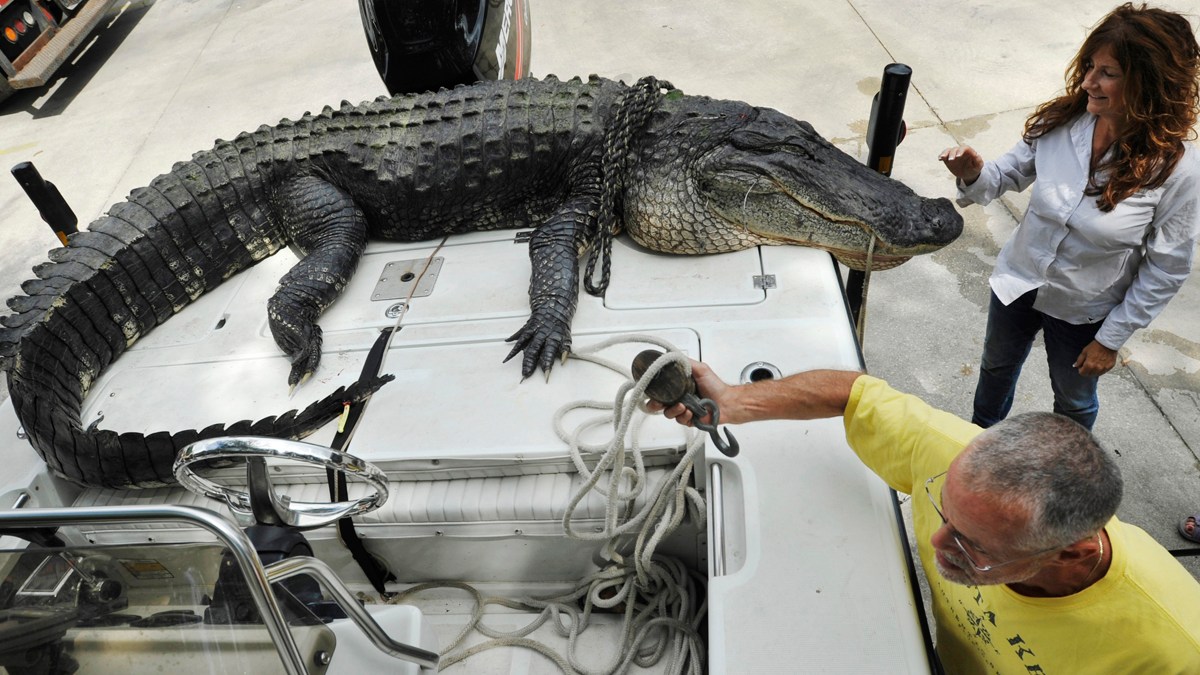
[1010,333]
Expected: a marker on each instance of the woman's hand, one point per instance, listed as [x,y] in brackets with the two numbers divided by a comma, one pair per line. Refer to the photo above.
[963,162]
[1096,359]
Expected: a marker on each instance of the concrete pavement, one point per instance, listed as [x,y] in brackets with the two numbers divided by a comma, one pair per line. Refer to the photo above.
[165,78]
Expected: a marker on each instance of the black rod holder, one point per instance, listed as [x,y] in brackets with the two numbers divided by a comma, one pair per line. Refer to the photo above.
[49,202]
[884,132]
[886,128]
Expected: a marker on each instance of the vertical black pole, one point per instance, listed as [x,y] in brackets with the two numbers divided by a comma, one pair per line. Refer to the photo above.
[49,202]
[884,133]
[886,128]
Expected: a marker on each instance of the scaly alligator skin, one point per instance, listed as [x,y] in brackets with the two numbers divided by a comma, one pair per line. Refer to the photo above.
[706,176]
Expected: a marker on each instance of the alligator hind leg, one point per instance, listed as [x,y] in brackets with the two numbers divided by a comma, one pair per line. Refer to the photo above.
[325,224]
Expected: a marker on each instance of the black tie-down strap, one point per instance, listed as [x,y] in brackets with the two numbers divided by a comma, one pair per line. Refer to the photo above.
[376,572]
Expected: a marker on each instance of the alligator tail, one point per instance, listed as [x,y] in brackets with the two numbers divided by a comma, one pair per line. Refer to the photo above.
[132,269]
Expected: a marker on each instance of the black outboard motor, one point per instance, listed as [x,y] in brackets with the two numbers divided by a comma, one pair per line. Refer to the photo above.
[421,45]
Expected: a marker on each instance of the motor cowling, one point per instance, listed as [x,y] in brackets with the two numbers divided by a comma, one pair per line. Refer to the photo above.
[423,45]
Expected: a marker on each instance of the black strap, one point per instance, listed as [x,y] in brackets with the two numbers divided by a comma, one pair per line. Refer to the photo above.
[376,572]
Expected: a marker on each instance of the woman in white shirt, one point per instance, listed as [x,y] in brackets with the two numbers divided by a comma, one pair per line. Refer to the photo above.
[1113,220]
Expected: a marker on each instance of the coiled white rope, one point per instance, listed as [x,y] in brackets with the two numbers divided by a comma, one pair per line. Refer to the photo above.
[662,600]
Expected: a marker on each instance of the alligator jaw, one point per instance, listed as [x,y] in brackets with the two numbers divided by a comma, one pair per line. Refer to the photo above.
[881,258]
[858,261]
[777,180]
[872,251]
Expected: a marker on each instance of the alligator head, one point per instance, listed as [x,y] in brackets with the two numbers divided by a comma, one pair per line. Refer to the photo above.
[719,176]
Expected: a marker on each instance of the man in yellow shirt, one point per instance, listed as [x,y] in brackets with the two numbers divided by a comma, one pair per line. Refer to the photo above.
[1029,569]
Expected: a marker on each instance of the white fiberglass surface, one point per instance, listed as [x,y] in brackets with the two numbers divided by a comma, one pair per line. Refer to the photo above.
[815,572]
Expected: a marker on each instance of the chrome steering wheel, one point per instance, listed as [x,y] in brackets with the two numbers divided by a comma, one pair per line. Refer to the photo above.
[260,504]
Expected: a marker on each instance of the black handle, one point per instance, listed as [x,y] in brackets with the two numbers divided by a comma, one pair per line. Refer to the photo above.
[49,202]
[886,128]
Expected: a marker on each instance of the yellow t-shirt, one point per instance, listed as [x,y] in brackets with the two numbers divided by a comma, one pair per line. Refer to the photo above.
[1142,617]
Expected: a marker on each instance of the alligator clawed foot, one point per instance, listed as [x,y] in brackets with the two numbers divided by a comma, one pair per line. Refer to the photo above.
[542,344]
[293,386]
[303,347]
[566,354]
[302,371]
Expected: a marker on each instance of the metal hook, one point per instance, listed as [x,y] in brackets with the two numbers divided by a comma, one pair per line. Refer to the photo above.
[707,407]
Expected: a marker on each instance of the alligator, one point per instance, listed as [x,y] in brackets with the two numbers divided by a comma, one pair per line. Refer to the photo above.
[573,160]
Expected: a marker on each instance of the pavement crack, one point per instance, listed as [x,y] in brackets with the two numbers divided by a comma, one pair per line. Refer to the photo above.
[1157,406]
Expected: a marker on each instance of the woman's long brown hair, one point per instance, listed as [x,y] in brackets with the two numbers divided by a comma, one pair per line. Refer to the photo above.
[1160,61]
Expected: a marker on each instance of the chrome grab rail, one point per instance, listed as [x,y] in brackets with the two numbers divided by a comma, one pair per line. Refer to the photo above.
[304,515]
[716,501]
[317,569]
[239,546]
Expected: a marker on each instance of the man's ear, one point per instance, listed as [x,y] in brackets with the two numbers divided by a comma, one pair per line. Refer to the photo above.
[1087,547]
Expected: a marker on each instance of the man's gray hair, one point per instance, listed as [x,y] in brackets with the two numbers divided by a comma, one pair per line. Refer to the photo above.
[1053,467]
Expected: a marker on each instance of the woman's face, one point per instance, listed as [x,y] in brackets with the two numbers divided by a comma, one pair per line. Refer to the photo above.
[1104,82]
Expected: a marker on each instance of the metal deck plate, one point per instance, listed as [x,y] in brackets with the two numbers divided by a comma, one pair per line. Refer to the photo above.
[400,276]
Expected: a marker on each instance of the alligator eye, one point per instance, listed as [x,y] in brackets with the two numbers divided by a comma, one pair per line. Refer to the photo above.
[799,149]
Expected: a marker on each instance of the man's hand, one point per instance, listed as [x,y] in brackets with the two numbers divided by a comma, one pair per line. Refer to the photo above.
[709,386]
[1096,360]
[964,162]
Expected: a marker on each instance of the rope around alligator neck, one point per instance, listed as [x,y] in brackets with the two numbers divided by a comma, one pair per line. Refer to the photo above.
[861,322]
[661,599]
[633,111]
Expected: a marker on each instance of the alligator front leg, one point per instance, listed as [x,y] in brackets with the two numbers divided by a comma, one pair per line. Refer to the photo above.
[325,224]
[554,252]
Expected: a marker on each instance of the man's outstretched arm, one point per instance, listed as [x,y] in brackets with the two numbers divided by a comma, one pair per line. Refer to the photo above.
[809,395]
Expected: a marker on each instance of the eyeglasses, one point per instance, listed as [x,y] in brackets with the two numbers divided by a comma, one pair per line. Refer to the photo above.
[958,541]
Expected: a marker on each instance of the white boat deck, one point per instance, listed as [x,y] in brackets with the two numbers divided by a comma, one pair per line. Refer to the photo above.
[477,469]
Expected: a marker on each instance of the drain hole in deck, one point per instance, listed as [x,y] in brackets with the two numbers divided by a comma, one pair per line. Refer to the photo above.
[759,371]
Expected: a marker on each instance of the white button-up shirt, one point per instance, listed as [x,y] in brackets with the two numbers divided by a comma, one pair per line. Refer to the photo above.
[1120,267]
